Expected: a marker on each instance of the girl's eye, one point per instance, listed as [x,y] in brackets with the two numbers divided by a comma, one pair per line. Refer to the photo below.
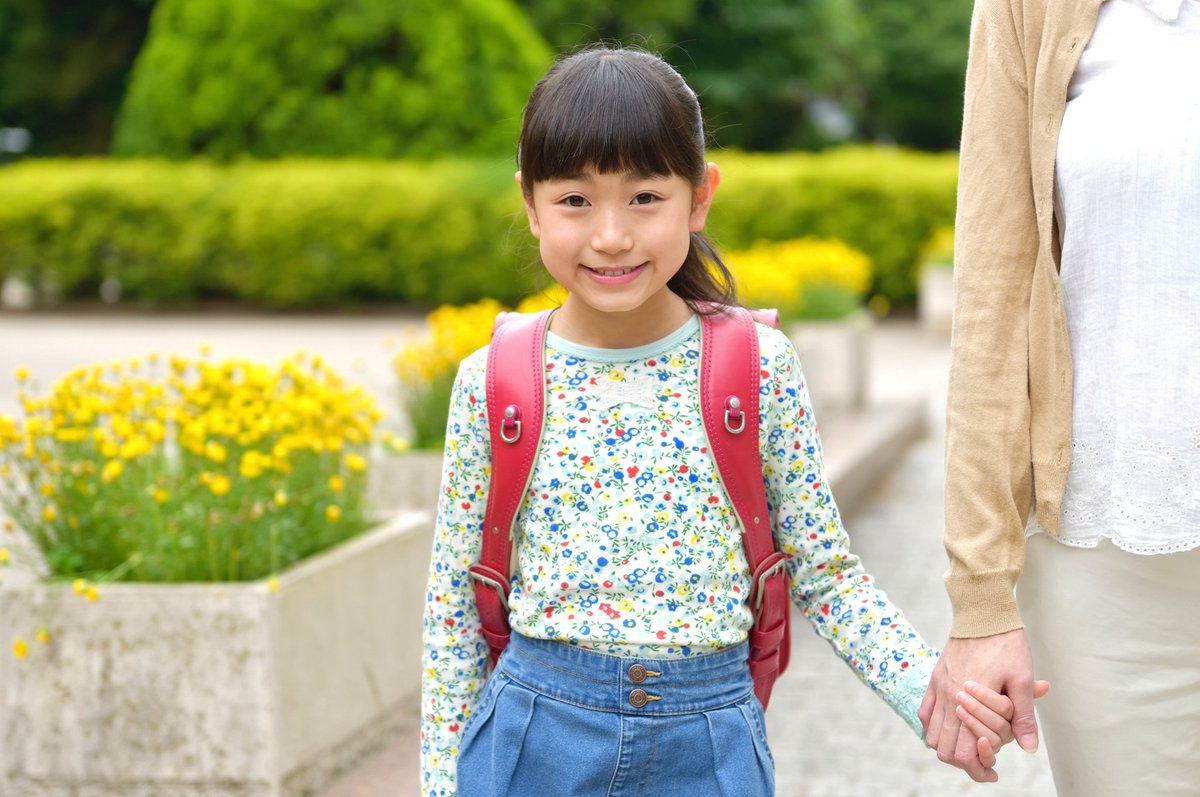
[644,199]
[575,201]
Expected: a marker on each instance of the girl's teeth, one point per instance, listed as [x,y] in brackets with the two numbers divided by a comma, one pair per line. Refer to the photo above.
[608,272]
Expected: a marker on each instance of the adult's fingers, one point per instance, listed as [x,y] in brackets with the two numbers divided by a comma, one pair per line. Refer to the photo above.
[1024,724]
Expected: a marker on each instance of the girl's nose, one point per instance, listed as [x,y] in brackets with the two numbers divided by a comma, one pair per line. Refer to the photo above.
[612,234]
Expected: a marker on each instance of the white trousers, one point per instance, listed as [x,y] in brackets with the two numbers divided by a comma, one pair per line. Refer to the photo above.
[1118,637]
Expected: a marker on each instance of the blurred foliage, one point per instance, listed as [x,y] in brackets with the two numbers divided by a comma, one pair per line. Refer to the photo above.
[383,78]
[323,233]
[883,202]
[804,279]
[64,66]
[377,78]
[914,81]
[770,73]
[278,234]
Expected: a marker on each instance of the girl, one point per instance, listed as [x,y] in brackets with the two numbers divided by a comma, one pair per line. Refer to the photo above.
[629,556]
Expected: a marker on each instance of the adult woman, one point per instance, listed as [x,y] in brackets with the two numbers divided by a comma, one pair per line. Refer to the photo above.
[1075,391]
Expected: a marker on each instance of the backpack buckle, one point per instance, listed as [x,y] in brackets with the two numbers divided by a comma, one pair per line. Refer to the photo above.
[511,424]
[734,412]
[487,580]
[760,582]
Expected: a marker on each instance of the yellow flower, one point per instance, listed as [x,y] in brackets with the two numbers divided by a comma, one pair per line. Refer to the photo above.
[216,452]
[20,649]
[10,527]
[205,349]
[91,595]
[333,513]
[280,498]
[220,485]
[22,375]
[112,471]
[336,484]
[78,586]
[251,466]
[47,489]
[49,514]
[43,636]
[161,496]
[3,556]
[273,585]
[356,463]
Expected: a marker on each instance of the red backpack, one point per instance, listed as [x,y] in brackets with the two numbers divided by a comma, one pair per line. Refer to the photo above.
[729,385]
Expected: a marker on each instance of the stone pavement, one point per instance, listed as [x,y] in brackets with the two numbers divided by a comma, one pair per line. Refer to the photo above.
[831,737]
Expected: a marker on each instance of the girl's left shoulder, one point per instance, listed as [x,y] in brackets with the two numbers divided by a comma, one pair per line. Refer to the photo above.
[775,349]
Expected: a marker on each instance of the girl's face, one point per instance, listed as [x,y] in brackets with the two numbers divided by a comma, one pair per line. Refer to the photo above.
[614,240]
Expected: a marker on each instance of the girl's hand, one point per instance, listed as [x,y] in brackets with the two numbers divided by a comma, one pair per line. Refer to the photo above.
[987,714]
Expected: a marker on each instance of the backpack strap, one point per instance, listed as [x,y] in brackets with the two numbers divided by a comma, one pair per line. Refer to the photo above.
[515,407]
[729,401]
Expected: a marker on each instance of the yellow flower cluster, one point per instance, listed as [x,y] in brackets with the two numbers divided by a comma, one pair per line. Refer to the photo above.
[112,449]
[453,333]
[781,274]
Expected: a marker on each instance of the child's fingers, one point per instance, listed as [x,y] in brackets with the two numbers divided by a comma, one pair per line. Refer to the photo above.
[987,753]
[995,701]
[986,716]
[1040,688]
[979,730]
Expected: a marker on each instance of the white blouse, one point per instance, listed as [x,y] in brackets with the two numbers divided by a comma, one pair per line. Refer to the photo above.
[1127,203]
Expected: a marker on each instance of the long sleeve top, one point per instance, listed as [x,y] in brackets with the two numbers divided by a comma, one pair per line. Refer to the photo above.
[627,543]
[1008,415]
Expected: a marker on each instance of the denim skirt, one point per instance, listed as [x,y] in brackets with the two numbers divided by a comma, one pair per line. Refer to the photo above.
[560,721]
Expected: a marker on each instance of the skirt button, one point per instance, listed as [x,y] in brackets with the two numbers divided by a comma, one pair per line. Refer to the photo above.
[637,673]
[638,698]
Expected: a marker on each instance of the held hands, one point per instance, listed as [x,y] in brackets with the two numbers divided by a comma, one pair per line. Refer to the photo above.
[988,714]
[1002,670]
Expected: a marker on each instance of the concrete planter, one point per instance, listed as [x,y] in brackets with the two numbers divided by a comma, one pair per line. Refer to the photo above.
[935,297]
[216,690]
[833,355]
[405,482]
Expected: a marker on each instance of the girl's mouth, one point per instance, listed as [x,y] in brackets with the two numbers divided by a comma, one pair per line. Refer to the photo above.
[615,276]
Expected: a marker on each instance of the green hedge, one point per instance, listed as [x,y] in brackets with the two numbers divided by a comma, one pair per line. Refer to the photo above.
[883,202]
[324,233]
[322,78]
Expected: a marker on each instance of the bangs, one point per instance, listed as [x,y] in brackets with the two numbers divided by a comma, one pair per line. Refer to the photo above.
[611,112]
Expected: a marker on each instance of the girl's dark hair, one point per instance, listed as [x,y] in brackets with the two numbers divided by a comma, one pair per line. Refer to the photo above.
[623,110]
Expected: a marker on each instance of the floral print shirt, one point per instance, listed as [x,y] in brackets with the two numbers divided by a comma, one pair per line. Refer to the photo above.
[627,543]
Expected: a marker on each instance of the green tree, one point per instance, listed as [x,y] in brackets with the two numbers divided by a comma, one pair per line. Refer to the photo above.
[567,24]
[63,69]
[914,78]
[408,78]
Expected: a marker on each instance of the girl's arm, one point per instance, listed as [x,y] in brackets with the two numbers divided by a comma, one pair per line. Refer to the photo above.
[454,659]
[828,582]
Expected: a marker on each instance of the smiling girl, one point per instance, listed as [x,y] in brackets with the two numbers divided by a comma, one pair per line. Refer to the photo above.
[627,670]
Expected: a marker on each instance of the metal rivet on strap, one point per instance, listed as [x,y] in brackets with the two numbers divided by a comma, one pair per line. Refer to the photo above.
[637,673]
[638,698]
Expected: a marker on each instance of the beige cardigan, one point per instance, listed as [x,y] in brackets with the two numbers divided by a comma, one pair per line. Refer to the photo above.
[1008,434]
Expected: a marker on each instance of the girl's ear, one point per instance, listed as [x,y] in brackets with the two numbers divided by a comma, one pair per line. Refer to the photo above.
[703,196]
[530,213]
